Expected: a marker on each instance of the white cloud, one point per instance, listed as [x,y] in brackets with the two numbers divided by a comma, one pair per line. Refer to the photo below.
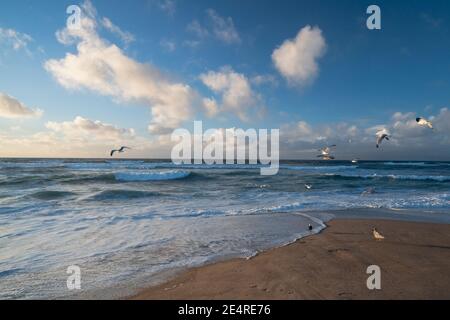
[408,140]
[86,138]
[404,127]
[302,140]
[434,23]
[15,39]
[191,43]
[399,116]
[223,28]
[211,106]
[12,108]
[296,59]
[88,128]
[104,68]
[168,45]
[442,122]
[82,137]
[263,79]
[235,90]
[196,28]
[125,36]
[167,6]
[302,131]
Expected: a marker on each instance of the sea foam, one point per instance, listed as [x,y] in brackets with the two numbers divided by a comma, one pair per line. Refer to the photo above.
[391,176]
[151,176]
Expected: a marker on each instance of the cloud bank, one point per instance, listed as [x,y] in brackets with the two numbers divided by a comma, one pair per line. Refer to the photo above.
[81,137]
[408,140]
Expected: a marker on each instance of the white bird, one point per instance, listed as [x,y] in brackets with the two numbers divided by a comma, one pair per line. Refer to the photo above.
[308,186]
[326,150]
[424,122]
[325,153]
[122,149]
[355,160]
[325,157]
[382,134]
[378,236]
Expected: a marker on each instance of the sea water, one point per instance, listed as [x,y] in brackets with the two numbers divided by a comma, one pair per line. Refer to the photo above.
[125,223]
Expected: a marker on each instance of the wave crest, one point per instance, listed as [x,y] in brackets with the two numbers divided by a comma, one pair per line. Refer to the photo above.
[391,176]
[151,176]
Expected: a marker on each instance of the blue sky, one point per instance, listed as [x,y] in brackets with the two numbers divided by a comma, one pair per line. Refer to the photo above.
[362,78]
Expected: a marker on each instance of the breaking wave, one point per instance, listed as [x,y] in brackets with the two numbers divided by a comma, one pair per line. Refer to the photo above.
[391,176]
[151,176]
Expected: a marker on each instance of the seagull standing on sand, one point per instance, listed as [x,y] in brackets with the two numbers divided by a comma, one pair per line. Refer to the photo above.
[424,122]
[377,235]
[381,135]
[121,150]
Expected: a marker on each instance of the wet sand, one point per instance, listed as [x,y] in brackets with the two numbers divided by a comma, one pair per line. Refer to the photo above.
[414,260]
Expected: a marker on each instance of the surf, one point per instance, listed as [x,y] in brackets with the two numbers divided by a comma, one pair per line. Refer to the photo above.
[151,176]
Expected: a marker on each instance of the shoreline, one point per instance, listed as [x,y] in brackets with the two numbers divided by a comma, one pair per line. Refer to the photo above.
[414,260]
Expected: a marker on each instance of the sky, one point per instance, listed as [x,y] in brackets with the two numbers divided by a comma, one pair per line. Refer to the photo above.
[133,72]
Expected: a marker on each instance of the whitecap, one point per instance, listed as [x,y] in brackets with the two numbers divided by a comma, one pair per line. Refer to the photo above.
[391,176]
[151,176]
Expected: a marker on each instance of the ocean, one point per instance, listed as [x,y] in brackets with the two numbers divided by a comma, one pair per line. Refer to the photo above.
[130,223]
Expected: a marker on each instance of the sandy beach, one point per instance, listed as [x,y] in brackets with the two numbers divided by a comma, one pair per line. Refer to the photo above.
[414,260]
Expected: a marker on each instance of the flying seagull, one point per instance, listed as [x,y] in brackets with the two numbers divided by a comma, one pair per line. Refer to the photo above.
[380,136]
[424,122]
[122,149]
[325,157]
[355,160]
[326,150]
[308,186]
[378,236]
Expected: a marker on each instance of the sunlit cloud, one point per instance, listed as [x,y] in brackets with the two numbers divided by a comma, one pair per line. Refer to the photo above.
[11,108]
[223,28]
[297,59]
[125,36]
[237,95]
[104,68]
